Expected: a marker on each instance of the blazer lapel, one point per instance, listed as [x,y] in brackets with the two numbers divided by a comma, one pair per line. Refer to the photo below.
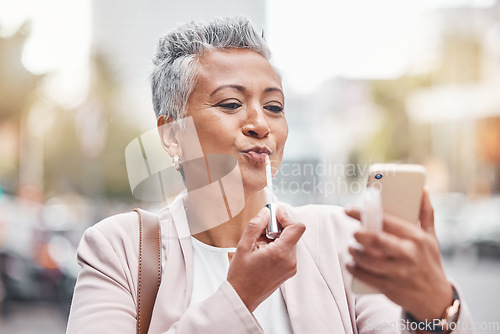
[183,235]
[310,303]
[177,274]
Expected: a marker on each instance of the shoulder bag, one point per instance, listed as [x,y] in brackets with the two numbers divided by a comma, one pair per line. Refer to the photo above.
[149,268]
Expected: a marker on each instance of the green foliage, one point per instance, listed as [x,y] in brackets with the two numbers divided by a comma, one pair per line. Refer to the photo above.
[398,139]
[78,156]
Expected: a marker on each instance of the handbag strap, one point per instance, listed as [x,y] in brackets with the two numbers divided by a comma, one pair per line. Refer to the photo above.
[149,268]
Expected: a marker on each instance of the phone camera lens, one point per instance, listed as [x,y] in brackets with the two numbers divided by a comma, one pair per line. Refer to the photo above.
[378,176]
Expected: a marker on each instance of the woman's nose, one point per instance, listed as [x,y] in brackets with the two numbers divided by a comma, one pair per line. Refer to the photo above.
[255,123]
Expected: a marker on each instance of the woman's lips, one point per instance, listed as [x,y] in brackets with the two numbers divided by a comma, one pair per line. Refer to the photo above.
[257,153]
[259,157]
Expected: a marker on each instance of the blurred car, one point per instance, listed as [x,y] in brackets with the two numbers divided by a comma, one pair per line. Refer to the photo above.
[447,207]
[479,222]
[467,227]
[37,259]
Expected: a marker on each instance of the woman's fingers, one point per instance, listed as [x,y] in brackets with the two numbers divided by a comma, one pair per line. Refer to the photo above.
[291,235]
[399,260]
[391,224]
[401,228]
[256,274]
[353,212]
[367,277]
[254,230]
[387,266]
[292,231]
[380,242]
[427,213]
[283,216]
[371,264]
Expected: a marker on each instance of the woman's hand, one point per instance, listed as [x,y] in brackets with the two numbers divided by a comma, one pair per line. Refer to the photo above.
[404,263]
[259,266]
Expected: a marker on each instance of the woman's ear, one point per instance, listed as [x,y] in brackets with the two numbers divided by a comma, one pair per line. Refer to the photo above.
[167,134]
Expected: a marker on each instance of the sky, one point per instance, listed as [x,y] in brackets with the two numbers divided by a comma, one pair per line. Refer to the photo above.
[364,39]
[59,43]
[311,41]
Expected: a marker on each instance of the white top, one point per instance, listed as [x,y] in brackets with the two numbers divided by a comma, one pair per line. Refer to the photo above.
[211,265]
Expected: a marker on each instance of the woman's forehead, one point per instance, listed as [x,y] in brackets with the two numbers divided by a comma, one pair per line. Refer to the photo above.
[235,66]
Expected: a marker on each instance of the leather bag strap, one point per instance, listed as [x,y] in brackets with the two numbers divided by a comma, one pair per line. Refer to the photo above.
[149,268]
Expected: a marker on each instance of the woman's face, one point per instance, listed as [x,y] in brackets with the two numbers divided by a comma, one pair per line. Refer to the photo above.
[237,107]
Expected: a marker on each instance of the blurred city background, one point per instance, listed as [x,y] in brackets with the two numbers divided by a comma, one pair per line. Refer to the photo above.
[365,81]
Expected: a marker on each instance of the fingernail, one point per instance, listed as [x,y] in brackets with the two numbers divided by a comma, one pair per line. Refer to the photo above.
[263,211]
[356,245]
[349,258]
[285,210]
[350,210]
[350,266]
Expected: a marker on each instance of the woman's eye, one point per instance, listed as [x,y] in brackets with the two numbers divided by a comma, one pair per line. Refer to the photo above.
[230,105]
[274,108]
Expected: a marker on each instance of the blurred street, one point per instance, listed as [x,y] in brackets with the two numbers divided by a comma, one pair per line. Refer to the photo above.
[33,317]
[477,280]
[479,284]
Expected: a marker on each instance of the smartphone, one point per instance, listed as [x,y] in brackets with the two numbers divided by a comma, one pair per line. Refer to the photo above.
[400,187]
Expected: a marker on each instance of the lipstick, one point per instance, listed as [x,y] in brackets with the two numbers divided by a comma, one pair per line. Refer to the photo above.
[257,153]
[272,230]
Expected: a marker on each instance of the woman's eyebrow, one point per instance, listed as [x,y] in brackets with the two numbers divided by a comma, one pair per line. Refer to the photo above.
[243,89]
[237,87]
[273,89]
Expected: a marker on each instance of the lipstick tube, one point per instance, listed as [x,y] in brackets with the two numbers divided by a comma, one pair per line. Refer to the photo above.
[272,230]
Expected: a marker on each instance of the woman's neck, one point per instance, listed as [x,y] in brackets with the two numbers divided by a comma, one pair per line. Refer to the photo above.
[225,234]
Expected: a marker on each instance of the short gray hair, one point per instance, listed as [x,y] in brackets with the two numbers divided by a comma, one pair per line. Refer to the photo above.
[174,74]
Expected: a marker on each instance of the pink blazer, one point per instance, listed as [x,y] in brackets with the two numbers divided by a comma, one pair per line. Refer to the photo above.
[318,297]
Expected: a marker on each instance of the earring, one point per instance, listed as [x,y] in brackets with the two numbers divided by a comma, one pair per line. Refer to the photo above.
[177,162]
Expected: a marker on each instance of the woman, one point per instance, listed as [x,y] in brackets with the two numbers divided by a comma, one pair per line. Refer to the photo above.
[214,81]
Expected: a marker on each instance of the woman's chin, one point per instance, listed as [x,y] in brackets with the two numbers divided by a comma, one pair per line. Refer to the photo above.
[253,177]
[252,188]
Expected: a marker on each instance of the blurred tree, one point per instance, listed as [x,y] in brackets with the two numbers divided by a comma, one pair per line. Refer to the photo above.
[461,54]
[77,149]
[17,93]
[16,82]
[85,151]
[398,139]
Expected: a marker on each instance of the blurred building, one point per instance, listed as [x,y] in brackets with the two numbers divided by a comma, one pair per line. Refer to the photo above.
[463,108]
[126,32]
[325,127]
